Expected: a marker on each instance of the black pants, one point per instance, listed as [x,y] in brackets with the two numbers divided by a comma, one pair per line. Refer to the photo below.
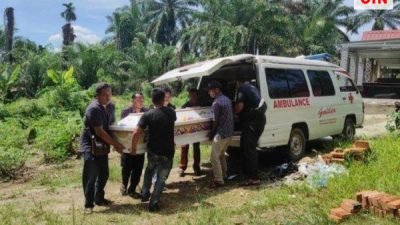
[184,157]
[132,166]
[94,179]
[251,132]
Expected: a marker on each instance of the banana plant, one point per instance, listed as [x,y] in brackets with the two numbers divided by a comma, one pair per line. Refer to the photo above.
[63,78]
[8,80]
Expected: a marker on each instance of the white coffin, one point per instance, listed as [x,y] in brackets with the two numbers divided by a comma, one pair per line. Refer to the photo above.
[192,125]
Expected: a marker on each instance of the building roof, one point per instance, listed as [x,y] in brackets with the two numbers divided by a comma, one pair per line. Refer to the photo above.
[380,35]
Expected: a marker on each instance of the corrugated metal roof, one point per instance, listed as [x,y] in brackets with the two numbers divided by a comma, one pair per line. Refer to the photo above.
[380,35]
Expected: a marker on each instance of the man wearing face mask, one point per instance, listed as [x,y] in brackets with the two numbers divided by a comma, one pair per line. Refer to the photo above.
[132,165]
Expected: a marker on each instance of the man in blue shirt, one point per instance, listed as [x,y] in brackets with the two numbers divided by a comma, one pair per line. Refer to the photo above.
[221,132]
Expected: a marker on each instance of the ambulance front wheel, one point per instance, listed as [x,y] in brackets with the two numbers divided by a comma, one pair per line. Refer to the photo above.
[349,130]
[297,144]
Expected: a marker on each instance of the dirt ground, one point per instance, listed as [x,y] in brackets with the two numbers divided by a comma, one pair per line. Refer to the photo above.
[57,189]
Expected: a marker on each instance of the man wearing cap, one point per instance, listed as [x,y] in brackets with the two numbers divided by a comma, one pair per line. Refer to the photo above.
[132,165]
[221,132]
[251,109]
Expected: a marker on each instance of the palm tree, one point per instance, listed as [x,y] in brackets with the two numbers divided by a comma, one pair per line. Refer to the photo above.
[319,27]
[235,26]
[165,17]
[380,18]
[9,25]
[69,13]
[69,16]
[126,23]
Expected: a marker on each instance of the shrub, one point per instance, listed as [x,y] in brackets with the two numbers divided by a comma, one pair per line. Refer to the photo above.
[56,135]
[19,131]
[25,108]
[12,160]
[65,98]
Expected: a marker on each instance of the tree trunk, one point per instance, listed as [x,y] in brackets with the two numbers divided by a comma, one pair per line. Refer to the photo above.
[9,24]
[68,34]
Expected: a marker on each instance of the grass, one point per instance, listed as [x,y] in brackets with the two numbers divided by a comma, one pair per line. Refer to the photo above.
[191,203]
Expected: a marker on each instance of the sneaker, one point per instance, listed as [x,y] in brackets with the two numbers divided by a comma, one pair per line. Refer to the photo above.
[123,190]
[197,172]
[88,211]
[145,198]
[104,202]
[154,208]
[231,177]
[181,173]
[135,195]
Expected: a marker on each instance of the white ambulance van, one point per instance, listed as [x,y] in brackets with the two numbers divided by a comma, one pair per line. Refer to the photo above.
[306,99]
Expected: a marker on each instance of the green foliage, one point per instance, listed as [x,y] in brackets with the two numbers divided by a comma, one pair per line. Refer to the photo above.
[23,108]
[57,134]
[8,79]
[391,125]
[12,161]
[63,78]
[12,153]
[64,98]
[19,131]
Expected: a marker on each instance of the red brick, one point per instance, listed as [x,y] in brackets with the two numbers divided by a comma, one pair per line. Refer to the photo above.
[385,200]
[394,204]
[361,144]
[338,155]
[339,212]
[335,218]
[351,206]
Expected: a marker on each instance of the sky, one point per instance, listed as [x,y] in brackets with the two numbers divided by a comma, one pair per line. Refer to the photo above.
[40,20]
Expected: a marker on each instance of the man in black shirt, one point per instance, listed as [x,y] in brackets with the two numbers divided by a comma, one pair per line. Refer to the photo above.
[96,139]
[251,109]
[132,165]
[193,102]
[167,99]
[160,146]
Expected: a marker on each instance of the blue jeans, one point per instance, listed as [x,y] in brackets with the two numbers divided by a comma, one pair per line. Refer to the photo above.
[159,166]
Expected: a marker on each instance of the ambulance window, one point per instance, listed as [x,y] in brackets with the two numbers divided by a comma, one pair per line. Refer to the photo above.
[346,84]
[286,83]
[321,83]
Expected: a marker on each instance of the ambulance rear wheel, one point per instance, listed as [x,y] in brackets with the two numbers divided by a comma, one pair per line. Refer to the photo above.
[297,144]
[349,130]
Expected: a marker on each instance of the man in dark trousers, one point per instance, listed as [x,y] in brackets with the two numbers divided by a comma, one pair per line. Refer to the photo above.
[132,165]
[160,146]
[251,109]
[95,145]
[193,102]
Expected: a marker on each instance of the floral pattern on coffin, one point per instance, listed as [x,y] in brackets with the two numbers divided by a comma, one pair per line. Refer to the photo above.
[192,125]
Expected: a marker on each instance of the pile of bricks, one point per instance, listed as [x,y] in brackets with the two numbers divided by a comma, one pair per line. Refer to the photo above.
[374,202]
[339,155]
[380,203]
[347,208]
